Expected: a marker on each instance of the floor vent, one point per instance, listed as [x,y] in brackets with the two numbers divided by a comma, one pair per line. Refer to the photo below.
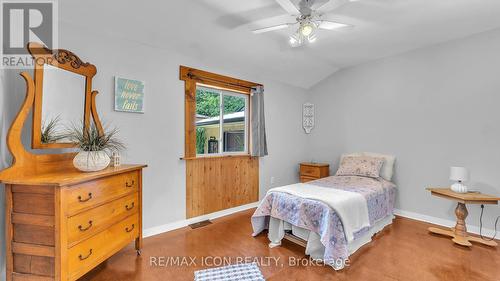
[200,224]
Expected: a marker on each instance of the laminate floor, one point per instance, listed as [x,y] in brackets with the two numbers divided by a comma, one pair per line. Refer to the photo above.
[403,251]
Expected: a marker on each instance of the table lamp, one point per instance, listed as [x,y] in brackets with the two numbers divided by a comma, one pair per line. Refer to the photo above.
[459,175]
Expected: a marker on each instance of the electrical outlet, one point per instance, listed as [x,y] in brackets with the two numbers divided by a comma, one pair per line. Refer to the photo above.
[272,180]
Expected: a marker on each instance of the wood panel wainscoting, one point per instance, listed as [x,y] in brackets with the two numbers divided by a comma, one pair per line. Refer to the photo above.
[219,183]
[215,182]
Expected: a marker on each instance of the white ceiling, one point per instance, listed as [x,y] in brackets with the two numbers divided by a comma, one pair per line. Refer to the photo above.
[219,31]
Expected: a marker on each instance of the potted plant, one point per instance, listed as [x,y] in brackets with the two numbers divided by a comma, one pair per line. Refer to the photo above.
[94,147]
[50,130]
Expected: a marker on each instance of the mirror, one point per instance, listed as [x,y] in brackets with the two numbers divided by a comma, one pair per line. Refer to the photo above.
[63,103]
[63,96]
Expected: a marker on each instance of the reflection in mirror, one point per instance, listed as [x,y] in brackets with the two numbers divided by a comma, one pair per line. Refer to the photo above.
[63,103]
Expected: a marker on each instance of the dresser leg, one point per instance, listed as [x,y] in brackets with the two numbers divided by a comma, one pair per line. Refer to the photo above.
[138,245]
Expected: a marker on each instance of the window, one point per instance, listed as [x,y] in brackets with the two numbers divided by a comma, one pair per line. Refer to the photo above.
[221,121]
[216,114]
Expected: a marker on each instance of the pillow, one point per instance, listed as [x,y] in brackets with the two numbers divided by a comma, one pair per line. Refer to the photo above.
[360,166]
[350,154]
[387,169]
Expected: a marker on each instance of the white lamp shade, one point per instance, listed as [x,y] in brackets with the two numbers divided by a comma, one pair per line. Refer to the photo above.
[459,174]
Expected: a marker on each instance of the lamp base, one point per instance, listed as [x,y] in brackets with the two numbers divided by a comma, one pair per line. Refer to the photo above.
[459,187]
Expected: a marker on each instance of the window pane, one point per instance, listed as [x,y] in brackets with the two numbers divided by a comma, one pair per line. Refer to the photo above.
[207,120]
[234,136]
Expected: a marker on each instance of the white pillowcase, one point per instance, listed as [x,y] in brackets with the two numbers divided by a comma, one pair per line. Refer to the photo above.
[387,169]
[350,155]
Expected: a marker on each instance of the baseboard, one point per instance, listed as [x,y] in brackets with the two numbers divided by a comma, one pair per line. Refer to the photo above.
[183,223]
[444,222]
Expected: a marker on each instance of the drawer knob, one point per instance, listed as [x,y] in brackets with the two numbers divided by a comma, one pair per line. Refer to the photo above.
[80,199]
[130,229]
[131,206]
[129,184]
[85,228]
[81,257]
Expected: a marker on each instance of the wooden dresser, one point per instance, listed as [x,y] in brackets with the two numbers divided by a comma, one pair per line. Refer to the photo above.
[60,225]
[313,171]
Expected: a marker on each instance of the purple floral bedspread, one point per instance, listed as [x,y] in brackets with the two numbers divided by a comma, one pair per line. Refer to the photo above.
[319,217]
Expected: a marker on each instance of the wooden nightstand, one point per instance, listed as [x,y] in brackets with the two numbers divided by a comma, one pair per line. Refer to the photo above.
[313,171]
[459,232]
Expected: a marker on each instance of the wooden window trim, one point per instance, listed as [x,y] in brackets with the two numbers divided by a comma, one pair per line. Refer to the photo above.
[192,76]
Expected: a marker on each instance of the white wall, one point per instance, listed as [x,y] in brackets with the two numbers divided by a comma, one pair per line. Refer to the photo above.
[3,88]
[433,108]
[157,137]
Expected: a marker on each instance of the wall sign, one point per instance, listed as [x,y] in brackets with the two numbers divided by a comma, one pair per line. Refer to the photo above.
[129,95]
[308,117]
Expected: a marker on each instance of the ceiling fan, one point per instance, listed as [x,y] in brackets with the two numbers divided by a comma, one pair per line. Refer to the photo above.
[308,19]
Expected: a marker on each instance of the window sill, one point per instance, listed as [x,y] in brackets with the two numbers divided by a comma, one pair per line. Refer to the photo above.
[215,156]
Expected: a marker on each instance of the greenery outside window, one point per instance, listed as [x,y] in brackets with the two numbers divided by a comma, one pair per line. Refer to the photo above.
[221,121]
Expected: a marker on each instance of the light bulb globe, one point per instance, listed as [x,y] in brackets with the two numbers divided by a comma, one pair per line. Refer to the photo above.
[306,29]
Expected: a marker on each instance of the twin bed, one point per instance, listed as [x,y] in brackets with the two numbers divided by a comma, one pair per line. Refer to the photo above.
[335,215]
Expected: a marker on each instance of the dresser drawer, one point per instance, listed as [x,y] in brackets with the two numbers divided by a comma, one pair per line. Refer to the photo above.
[307,179]
[309,171]
[88,254]
[90,194]
[92,221]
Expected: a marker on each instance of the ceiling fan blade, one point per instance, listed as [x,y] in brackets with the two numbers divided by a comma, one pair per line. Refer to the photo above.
[289,7]
[271,28]
[332,5]
[331,25]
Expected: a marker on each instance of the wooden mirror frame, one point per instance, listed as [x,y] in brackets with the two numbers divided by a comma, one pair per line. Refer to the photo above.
[68,61]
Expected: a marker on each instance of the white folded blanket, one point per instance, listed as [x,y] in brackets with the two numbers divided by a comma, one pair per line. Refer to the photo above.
[350,206]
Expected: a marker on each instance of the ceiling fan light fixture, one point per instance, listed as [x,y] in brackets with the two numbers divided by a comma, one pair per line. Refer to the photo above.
[306,33]
[312,38]
[307,29]
[296,40]
[309,16]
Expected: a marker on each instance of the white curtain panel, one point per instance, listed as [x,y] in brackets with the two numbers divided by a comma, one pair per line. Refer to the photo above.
[258,124]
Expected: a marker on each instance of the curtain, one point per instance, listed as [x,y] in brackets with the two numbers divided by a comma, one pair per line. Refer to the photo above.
[258,124]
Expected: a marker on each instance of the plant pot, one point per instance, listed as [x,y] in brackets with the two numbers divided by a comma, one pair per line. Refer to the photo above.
[91,161]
